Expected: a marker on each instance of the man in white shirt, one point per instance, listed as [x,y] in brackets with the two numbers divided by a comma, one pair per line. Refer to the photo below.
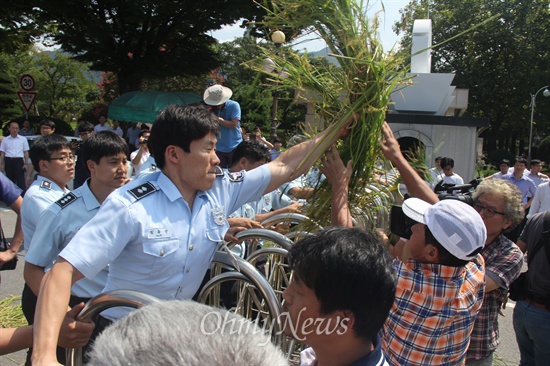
[14,152]
[541,201]
[102,126]
[139,156]
[449,176]
[117,129]
[534,174]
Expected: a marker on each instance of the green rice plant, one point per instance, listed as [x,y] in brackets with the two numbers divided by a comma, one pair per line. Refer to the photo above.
[11,315]
[357,90]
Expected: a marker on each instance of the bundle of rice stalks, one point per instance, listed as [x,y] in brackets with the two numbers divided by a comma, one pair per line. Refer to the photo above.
[11,315]
[358,88]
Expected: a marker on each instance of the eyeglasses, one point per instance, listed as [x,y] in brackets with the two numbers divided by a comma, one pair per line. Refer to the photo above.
[65,159]
[489,212]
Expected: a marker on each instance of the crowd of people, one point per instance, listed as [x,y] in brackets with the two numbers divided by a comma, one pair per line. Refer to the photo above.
[151,220]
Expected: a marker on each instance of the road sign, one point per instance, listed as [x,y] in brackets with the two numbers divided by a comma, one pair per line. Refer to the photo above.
[27,99]
[27,82]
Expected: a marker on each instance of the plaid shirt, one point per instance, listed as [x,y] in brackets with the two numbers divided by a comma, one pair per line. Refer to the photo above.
[504,259]
[433,314]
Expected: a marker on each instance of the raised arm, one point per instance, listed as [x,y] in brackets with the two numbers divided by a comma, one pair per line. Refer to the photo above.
[338,176]
[285,167]
[411,179]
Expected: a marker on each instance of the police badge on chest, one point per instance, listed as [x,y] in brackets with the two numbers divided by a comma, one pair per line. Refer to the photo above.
[218,215]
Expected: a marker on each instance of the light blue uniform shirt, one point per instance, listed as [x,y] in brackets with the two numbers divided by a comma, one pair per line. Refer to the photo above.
[153,241]
[42,193]
[272,200]
[57,226]
[148,167]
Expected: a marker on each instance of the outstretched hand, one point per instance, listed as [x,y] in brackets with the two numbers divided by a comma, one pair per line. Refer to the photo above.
[333,168]
[390,146]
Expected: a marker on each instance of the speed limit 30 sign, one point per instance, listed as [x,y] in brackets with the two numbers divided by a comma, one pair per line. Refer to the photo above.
[27,82]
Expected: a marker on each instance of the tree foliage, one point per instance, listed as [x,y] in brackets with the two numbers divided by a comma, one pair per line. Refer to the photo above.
[18,26]
[500,63]
[253,90]
[141,39]
[61,82]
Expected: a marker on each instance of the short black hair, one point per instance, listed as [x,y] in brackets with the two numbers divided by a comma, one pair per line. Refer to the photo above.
[447,161]
[535,162]
[85,127]
[521,160]
[348,269]
[179,126]
[44,146]
[101,144]
[252,150]
[505,161]
[48,122]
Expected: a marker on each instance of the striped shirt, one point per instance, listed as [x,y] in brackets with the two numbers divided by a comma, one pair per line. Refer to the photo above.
[434,312]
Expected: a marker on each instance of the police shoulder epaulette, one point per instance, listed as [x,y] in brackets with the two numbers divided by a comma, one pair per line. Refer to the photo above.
[46,184]
[236,177]
[143,190]
[219,171]
[66,200]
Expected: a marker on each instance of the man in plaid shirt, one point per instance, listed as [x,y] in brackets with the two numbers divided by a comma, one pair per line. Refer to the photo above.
[440,277]
[440,285]
[501,208]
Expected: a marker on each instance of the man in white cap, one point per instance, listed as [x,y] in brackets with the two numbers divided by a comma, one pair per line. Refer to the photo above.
[229,116]
[440,285]
[500,206]
[440,277]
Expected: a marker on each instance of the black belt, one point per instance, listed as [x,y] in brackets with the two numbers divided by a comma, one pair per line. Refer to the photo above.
[538,300]
[12,158]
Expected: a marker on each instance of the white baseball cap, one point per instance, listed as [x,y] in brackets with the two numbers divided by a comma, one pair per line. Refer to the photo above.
[454,224]
[217,95]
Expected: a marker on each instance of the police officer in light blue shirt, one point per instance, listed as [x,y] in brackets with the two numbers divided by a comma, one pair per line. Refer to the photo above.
[104,155]
[57,226]
[53,160]
[159,233]
[39,196]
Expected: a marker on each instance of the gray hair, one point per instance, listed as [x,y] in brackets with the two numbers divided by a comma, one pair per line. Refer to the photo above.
[184,333]
[513,209]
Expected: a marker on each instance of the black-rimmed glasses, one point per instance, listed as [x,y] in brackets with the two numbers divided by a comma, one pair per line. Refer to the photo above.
[66,159]
[489,212]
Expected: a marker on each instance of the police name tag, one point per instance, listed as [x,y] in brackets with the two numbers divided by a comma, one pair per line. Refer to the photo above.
[157,233]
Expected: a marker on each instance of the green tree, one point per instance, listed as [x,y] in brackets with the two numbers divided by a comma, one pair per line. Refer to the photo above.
[18,26]
[61,82]
[252,90]
[501,62]
[141,39]
[8,106]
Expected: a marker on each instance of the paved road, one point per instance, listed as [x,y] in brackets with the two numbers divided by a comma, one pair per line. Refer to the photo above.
[12,284]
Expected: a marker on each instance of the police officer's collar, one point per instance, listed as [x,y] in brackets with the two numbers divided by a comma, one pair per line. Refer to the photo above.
[166,186]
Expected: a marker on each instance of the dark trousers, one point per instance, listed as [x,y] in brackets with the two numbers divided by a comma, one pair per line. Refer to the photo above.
[14,171]
[28,305]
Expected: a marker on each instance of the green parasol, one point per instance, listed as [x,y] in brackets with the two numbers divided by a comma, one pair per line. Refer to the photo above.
[144,106]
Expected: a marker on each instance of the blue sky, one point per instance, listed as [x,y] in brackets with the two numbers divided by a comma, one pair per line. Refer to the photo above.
[387,19]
